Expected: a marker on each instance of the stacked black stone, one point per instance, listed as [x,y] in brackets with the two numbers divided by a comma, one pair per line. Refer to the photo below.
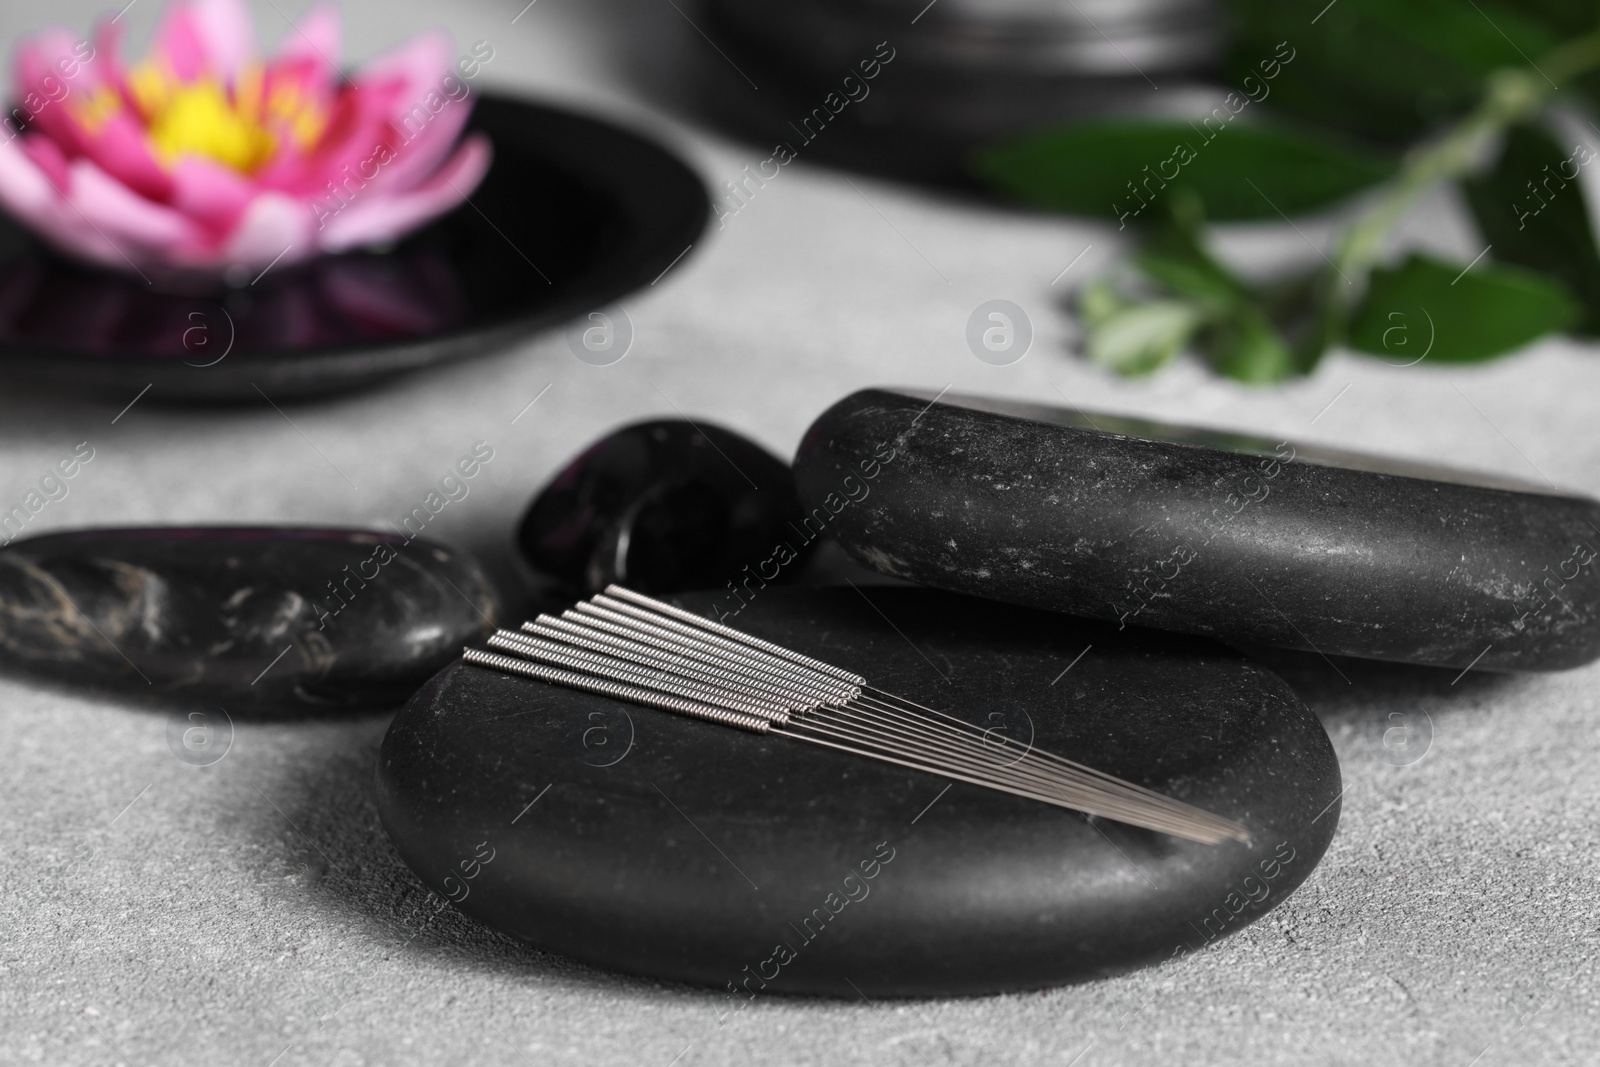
[909,88]
[644,841]
[1143,524]
[662,507]
[666,846]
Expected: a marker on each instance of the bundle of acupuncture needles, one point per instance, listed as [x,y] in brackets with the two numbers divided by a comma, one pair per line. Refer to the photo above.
[628,646]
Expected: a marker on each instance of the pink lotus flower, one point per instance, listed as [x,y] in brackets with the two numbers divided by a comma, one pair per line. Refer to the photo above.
[202,158]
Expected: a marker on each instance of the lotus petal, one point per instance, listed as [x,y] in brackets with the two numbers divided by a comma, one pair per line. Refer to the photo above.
[419,66]
[318,36]
[86,114]
[273,226]
[381,218]
[28,193]
[226,34]
[419,155]
[197,38]
[125,216]
[212,194]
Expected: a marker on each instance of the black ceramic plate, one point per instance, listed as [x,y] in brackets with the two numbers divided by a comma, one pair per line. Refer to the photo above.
[574,213]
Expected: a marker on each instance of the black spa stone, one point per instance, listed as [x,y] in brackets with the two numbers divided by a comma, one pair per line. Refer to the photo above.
[663,507]
[266,619]
[650,843]
[1246,540]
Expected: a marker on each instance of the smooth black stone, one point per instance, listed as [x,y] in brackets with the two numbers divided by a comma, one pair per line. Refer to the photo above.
[663,507]
[574,213]
[241,617]
[1210,533]
[647,850]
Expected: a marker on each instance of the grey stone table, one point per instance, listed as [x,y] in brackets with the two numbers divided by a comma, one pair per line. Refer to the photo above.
[251,911]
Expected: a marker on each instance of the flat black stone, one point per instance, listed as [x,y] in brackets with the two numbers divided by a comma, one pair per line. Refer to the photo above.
[241,617]
[1208,533]
[663,507]
[678,849]
[574,213]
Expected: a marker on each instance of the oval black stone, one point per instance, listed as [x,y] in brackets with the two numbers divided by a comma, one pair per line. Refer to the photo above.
[249,618]
[1207,533]
[646,842]
[662,507]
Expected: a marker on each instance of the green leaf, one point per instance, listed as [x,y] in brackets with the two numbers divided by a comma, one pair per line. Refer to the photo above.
[1247,347]
[1228,319]
[1098,301]
[1173,254]
[1387,69]
[1425,309]
[1194,279]
[1318,318]
[1135,338]
[1565,17]
[1120,169]
[1546,227]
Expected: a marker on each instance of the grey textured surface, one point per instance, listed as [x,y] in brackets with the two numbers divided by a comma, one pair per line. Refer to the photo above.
[251,912]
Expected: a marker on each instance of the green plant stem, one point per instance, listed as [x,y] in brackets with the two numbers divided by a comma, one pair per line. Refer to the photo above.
[1513,95]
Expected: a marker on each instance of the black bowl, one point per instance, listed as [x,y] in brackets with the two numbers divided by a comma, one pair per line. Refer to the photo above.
[574,213]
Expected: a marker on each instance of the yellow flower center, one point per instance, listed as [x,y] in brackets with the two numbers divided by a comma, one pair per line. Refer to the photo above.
[202,118]
[95,109]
